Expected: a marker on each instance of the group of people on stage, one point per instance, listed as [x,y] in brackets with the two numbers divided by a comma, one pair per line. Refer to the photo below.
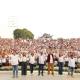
[41,59]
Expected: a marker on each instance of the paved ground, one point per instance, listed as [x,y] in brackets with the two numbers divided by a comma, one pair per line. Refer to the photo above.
[7,75]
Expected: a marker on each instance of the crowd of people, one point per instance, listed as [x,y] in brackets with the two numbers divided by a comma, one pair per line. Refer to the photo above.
[41,51]
[7,45]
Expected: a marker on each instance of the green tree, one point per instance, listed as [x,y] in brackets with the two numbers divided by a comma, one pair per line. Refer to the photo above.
[23,33]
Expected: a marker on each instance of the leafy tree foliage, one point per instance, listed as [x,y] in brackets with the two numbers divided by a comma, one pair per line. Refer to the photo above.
[23,33]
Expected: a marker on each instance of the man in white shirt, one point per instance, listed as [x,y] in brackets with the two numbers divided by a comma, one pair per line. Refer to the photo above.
[41,62]
[14,59]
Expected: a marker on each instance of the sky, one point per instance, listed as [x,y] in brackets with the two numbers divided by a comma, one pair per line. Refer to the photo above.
[60,18]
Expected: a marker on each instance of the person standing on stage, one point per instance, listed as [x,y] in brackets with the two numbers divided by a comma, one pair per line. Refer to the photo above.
[71,64]
[14,59]
[24,64]
[61,63]
[32,60]
[41,62]
[50,61]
